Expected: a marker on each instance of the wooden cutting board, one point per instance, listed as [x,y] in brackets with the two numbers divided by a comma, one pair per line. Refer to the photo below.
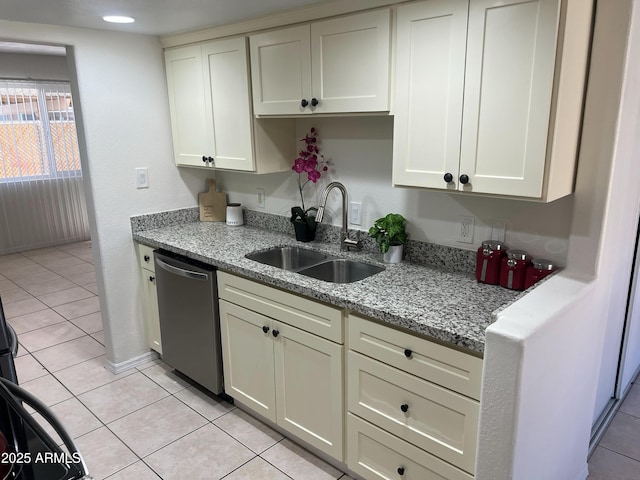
[213,205]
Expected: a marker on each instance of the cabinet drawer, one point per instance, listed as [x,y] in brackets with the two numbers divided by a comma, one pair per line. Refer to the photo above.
[450,368]
[306,314]
[438,420]
[145,257]
[377,455]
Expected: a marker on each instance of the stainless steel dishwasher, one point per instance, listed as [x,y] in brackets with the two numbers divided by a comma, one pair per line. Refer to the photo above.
[189,319]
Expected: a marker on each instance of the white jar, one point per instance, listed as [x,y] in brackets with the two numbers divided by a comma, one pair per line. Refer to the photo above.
[235,215]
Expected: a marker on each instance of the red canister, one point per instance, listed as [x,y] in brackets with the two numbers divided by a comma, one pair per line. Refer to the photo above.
[513,269]
[538,269]
[488,261]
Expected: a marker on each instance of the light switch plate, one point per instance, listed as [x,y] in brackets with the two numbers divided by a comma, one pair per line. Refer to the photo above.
[142,177]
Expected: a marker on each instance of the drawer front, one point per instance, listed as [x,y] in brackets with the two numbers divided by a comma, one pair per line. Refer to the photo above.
[447,367]
[145,257]
[306,314]
[433,418]
[375,454]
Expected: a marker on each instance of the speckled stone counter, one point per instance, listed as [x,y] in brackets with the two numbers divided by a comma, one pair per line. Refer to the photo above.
[448,306]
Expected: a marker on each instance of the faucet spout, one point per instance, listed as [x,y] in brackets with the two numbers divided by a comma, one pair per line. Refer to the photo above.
[345,242]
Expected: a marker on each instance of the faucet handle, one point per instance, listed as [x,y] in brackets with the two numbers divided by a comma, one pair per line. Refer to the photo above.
[349,244]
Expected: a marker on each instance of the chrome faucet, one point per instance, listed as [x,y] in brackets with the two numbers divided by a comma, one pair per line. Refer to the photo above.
[345,242]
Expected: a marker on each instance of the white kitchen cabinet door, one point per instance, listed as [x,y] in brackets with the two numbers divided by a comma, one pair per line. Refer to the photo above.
[511,52]
[376,455]
[309,393]
[226,77]
[191,120]
[281,71]
[350,63]
[429,84]
[153,316]
[247,358]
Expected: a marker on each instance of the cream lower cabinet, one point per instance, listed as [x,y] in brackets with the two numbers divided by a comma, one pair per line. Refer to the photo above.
[284,373]
[150,296]
[488,95]
[413,405]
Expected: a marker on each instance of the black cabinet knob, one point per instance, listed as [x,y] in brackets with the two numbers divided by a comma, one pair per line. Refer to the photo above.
[304,103]
[204,158]
[400,470]
[211,159]
[265,329]
[314,102]
[151,278]
[404,407]
[407,353]
[464,179]
[448,177]
[147,258]
[275,333]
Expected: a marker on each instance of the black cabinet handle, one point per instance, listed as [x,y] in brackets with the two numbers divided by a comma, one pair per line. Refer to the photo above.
[314,102]
[212,160]
[304,103]
[204,159]
[448,177]
[407,353]
[152,278]
[404,407]
[147,258]
[464,179]
[400,470]
[275,333]
[265,329]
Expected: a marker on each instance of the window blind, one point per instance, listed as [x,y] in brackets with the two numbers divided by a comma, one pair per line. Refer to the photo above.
[42,199]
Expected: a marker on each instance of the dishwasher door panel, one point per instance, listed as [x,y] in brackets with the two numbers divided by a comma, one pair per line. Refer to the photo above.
[189,321]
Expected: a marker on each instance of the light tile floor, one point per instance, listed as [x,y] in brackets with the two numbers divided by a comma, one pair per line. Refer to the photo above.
[617,456]
[146,423]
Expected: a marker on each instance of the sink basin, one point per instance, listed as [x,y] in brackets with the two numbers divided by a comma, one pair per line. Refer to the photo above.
[288,258]
[340,270]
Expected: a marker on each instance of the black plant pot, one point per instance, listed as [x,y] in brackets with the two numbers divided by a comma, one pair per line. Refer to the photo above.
[304,232]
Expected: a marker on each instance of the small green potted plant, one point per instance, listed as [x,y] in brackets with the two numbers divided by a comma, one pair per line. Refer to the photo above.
[391,235]
[311,164]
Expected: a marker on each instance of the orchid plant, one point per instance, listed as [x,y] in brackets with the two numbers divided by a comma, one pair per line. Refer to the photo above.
[309,165]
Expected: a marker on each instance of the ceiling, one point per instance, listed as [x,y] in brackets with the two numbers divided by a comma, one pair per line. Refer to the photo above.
[153,17]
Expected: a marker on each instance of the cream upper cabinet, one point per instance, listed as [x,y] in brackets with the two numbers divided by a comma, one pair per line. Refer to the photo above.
[502,112]
[430,57]
[339,65]
[211,112]
[191,123]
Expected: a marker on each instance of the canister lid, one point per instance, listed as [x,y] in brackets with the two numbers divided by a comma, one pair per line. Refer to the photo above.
[493,245]
[517,255]
[543,264]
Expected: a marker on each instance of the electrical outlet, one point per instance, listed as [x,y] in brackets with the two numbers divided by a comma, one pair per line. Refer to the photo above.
[355,213]
[260,197]
[465,230]
[142,177]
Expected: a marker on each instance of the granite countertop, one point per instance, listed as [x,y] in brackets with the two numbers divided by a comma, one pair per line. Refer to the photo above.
[448,306]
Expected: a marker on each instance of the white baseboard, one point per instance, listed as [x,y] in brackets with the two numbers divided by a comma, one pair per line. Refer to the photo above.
[117,368]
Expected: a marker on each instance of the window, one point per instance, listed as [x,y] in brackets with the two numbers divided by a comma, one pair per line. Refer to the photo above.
[37,131]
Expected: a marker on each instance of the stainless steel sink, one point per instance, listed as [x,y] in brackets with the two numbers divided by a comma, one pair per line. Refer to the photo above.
[315,264]
[288,258]
[341,270]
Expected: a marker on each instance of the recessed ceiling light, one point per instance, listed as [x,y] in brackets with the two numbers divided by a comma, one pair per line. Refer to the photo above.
[118,19]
